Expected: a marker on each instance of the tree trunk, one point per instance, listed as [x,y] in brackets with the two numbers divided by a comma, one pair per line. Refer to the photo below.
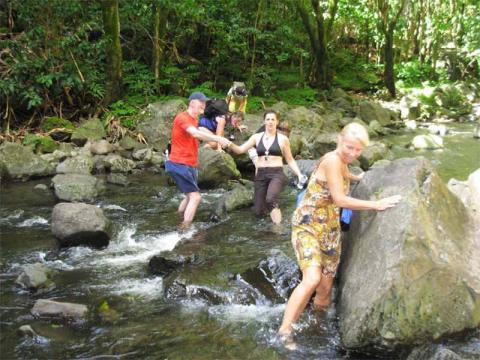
[111,25]
[318,41]
[160,30]
[388,73]
[254,40]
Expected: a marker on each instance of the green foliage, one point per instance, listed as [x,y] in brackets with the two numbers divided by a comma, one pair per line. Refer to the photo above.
[298,96]
[52,64]
[352,73]
[139,79]
[123,111]
[54,61]
[256,103]
[413,73]
[208,89]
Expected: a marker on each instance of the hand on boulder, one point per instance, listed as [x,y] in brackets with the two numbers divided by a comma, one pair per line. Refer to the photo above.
[388,202]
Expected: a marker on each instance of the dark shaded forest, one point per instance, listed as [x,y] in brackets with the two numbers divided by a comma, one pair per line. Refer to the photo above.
[78,59]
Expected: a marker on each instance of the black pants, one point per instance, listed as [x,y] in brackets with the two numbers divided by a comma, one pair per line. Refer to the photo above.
[269,183]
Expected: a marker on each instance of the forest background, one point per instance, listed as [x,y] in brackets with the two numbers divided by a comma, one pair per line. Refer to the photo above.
[77,59]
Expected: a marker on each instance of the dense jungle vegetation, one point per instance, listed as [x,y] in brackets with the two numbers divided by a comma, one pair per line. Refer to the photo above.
[81,58]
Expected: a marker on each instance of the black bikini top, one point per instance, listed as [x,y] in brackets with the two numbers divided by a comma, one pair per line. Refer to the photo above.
[273,150]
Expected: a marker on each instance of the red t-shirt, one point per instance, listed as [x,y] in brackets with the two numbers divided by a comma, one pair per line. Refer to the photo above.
[184,146]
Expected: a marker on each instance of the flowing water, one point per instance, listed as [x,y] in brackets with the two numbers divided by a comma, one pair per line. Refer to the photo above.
[146,324]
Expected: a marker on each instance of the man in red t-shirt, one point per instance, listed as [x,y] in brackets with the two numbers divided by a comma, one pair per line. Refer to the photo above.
[183,159]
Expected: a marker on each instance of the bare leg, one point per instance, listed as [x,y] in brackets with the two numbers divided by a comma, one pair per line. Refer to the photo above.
[183,205]
[299,298]
[276,216]
[323,292]
[194,199]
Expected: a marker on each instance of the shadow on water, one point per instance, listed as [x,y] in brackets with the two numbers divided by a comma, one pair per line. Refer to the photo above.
[142,322]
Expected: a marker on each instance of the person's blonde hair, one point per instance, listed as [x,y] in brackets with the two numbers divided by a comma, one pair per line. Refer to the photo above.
[356,131]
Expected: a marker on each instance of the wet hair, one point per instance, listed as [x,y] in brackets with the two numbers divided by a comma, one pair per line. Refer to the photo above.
[271,111]
[356,131]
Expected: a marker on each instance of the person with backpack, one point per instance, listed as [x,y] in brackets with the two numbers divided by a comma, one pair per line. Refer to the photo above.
[237,97]
[182,160]
[216,120]
[316,226]
[270,179]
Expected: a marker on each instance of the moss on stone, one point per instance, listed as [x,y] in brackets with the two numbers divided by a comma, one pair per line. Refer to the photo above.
[56,122]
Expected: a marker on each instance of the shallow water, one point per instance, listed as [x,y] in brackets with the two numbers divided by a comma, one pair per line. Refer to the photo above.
[148,325]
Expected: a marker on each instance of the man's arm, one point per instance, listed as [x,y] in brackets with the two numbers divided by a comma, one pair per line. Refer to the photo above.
[200,135]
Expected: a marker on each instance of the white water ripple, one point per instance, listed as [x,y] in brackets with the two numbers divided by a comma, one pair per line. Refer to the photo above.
[126,250]
[36,220]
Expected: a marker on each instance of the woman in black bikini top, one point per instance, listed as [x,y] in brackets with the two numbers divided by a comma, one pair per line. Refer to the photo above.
[273,150]
[272,147]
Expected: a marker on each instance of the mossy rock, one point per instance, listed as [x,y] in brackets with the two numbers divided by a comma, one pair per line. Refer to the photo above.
[90,130]
[56,122]
[43,144]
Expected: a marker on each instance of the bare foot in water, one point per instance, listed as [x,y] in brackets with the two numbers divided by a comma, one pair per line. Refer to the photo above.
[287,340]
[321,304]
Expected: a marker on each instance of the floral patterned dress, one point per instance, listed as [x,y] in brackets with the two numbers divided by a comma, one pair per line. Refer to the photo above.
[316,228]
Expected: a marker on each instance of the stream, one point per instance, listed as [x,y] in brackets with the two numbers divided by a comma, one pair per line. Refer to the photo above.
[148,324]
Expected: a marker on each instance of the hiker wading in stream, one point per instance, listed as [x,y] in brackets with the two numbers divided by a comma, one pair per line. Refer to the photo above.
[183,157]
[270,179]
[316,226]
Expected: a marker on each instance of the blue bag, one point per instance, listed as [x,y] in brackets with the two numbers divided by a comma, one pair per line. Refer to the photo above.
[345,218]
[300,197]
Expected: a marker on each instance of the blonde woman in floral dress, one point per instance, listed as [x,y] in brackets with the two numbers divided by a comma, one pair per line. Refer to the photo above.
[316,226]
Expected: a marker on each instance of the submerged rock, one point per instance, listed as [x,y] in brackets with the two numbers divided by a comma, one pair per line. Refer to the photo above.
[26,330]
[36,277]
[59,310]
[275,277]
[409,274]
[433,352]
[240,196]
[166,263]
[76,224]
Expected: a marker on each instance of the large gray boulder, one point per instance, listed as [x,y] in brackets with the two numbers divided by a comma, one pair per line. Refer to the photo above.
[77,187]
[305,119]
[469,194]
[369,111]
[409,274]
[321,143]
[374,152]
[18,162]
[76,224]
[215,168]
[156,126]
